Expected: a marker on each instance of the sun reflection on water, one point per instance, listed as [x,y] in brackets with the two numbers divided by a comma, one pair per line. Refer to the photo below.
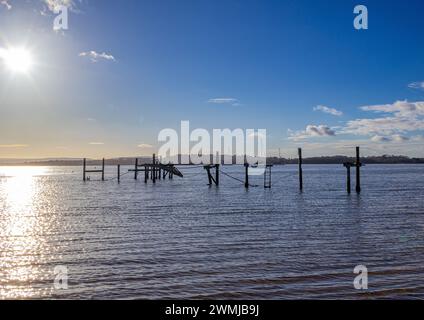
[23,247]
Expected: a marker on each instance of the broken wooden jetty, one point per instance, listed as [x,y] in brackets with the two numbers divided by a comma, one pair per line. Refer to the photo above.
[157,171]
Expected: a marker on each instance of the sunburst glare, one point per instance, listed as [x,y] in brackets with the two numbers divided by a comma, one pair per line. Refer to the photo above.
[17,60]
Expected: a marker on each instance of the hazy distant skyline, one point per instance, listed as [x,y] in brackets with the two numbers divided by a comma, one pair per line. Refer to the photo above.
[127,69]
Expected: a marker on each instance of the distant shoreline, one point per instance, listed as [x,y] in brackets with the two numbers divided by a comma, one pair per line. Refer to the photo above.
[385,159]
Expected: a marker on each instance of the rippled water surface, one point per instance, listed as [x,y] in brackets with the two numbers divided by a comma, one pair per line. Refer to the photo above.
[182,239]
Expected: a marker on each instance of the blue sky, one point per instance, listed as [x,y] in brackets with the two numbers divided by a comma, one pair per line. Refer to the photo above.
[127,69]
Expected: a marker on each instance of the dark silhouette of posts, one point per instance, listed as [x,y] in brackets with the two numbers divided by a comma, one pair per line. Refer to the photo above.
[119,173]
[358,170]
[268,177]
[348,165]
[136,169]
[300,170]
[146,173]
[209,176]
[246,175]
[84,165]
[103,169]
[85,170]
[154,168]
[211,179]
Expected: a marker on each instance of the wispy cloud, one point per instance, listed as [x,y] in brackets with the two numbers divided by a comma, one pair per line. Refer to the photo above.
[328,110]
[145,146]
[95,56]
[6,3]
[417,85]
[230,101]
[96,143]
[14,145]
[312,131]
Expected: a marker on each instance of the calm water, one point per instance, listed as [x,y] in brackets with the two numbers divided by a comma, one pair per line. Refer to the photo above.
[182,239]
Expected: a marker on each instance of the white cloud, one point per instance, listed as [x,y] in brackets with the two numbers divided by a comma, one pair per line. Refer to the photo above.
[380,139]
[145,146]
[312,131]
[328,110]
[417,85]
[399,108]
[396,138]
[399,138]
[6,3]
[405,117]
[53,5]
[232,101]
[95,56]
[96,143]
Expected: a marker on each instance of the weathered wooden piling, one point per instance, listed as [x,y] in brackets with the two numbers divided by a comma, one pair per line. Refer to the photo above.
[119,173]
[84,166]
[358,170]
[146,173]
[246,175]
[300,170]
[348,165]
[136,169]
[103,169]
[268,177]
[154,168]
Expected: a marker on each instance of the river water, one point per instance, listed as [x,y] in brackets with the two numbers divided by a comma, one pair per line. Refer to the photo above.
[182,239]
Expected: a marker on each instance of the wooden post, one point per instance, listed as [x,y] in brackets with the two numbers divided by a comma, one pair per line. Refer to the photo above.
[154,168]
[300,170]
[84,163]
[208,169]
[217,174]
[103,169]
[119,173]
[348,165]
[246,178]
[136,169]
[146,173]
[348,180]
[358,171]
[270,177]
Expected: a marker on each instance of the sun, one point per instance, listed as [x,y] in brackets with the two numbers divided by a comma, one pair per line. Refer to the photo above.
[17,60]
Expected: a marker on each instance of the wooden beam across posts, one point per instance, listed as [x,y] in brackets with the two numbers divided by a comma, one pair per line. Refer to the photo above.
[358,170]
[84,165]
[300,170]
[85,170]
[212,180]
